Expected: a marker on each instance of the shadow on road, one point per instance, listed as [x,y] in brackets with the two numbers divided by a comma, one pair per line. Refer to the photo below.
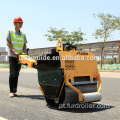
[39,97]
[83,108]
[74,108]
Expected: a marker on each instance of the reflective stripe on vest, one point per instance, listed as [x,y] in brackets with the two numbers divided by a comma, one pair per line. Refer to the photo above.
[17,48]
[17,41]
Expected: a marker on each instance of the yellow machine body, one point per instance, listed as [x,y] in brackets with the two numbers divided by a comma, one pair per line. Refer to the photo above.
[74,64]
[28,61]
[86,66]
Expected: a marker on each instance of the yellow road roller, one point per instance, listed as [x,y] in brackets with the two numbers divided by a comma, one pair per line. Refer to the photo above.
[67,75]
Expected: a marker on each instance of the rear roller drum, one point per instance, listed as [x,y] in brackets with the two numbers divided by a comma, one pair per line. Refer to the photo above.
[56,102]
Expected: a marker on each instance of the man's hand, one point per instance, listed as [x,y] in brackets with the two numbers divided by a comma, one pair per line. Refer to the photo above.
[23,54]
[16,53]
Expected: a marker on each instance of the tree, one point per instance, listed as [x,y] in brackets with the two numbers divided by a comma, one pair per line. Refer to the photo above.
[109,24]
[74,37]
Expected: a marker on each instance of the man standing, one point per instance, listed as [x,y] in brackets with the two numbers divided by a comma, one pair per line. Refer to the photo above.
[16,42]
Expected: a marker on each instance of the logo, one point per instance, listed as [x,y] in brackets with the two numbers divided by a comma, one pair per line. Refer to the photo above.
[82,53]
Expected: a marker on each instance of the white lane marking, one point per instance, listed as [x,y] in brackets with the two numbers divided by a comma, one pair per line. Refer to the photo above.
[1,118]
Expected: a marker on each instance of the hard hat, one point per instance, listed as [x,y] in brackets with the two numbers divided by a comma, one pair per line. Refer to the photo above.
[18,19]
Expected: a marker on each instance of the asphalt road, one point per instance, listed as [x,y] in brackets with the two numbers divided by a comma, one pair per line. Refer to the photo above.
[31,106]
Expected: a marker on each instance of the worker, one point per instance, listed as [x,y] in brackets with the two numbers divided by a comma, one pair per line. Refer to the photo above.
[16,42]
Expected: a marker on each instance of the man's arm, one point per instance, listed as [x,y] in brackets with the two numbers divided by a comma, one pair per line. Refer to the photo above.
[24,49]
[25,46]
[9,43]
[10,47]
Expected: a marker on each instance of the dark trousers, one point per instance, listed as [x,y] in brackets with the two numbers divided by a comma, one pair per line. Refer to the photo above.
[15,67]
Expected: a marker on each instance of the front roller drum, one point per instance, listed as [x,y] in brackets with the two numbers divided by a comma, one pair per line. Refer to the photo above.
[87,88]
[68,95]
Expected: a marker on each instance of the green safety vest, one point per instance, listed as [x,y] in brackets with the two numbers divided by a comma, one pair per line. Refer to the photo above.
[17,41]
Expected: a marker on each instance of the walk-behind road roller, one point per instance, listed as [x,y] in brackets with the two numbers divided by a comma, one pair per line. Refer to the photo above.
[63,78]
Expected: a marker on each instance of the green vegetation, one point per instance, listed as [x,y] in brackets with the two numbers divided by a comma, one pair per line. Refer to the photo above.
[109,23]
[74,37]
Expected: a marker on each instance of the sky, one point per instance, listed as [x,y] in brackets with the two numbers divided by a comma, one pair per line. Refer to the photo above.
[39,15]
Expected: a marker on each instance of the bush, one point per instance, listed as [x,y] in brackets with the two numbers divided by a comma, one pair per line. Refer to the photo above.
[110,62]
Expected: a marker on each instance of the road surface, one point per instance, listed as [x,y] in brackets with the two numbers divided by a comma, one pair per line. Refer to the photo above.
[31,106]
